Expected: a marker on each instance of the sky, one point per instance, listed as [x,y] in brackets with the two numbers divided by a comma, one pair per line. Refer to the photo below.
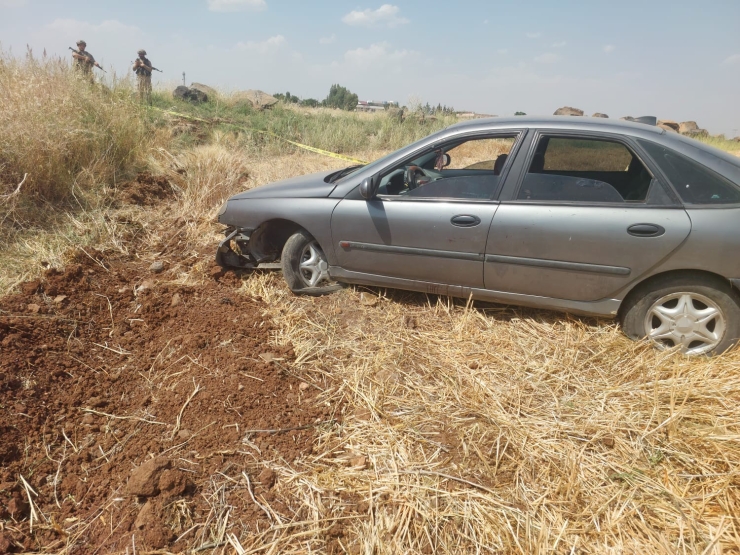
[677,59]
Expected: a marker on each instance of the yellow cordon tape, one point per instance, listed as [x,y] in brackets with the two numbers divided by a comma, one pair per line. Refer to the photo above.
[270,133]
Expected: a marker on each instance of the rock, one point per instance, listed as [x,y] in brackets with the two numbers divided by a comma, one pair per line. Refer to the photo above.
[258,99]
[303,387]
[210,92]
[736,139]
[96,402]
[269,357]
[144,480]
[697,133]
[368,300]
[568,111]
[59,298]
[687,126]
[145,516]
[173,482]
[181,92]
[175,300]
[190,95]
[668,125]
[267,478]
[157,266]
[599,115]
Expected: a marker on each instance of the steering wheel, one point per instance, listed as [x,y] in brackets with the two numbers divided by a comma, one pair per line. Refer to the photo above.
[412,174]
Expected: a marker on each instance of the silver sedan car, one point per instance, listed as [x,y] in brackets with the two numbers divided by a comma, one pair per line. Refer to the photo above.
[582,215]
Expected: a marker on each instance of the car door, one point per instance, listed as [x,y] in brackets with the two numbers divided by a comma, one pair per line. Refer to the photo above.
[435,233]
[586,218]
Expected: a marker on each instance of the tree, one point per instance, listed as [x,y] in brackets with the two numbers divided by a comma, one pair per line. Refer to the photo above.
[341,97]
[310,102]
[520,114]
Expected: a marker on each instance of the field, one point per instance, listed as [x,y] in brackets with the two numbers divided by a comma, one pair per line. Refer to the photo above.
[151,403]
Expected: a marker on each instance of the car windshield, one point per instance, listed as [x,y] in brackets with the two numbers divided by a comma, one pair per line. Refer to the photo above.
[380,162]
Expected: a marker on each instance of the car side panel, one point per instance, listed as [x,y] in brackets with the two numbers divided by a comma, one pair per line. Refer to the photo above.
[713,246]
[312,214]
[580,253]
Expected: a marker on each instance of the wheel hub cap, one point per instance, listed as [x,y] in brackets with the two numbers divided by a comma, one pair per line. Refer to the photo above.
[314,268]
[690,321]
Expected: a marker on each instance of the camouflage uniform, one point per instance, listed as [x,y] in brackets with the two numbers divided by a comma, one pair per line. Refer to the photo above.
[85,66]
[144,77]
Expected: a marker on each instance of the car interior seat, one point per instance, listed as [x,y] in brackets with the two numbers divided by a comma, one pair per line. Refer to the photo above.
[498,165]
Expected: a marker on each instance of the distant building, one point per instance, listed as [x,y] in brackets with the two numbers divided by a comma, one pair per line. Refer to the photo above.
[375,105]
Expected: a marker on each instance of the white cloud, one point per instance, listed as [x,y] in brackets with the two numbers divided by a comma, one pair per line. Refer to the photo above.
[559,44]
[237,5]
[609,48]
[385,16]
[734,59]
[379,54]
[534,35]
[547,58]
[263,47]
[328,40]
[12,3]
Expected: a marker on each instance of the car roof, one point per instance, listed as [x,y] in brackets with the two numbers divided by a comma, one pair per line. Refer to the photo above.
[574,123]
[718,160]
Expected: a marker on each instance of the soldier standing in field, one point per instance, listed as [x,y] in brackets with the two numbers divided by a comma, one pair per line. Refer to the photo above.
[143,69]
[84,61]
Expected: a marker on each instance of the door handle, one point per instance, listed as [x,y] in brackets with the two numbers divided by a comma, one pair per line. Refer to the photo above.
[465,220]
[646,230]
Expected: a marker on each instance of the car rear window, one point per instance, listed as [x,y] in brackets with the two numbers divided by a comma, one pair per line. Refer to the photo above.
[694,182]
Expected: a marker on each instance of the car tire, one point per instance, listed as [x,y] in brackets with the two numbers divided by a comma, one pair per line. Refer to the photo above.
[695,312]
[305,267]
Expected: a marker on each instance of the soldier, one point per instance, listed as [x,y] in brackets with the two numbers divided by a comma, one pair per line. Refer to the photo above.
[143,69]
[84,60]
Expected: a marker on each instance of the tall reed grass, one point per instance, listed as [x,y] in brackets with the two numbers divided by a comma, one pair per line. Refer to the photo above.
[68,137]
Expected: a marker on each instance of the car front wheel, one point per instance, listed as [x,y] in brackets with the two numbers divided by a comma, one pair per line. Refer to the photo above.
[305,267]
[698,315]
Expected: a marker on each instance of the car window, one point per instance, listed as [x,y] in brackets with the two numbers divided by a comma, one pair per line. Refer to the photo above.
[694,182]
[569,169]
[469,169]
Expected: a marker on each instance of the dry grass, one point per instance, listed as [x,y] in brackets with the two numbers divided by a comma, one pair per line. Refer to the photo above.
[477,429]
[69,137]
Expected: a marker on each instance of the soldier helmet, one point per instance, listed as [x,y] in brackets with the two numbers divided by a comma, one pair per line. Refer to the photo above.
[79,42]
[142,52]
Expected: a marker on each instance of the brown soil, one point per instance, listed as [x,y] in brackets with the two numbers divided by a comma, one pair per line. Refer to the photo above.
[145,190]
[122,395]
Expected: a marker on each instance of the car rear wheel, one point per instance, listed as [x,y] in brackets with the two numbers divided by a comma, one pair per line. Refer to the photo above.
[698,315]
[305,267]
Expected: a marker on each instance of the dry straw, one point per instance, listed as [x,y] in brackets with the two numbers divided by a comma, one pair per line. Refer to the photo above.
[484,429]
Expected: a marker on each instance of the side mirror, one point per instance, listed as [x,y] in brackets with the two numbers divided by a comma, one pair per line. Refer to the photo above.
[367,189]
[447,160]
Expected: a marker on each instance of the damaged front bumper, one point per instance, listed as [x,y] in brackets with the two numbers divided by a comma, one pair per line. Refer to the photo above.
[227,257]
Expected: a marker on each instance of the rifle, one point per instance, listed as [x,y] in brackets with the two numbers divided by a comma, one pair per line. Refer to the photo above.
[96,64]
[139,63]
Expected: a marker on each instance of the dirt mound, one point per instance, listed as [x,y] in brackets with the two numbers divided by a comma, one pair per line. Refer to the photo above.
[121,396]
[146,190]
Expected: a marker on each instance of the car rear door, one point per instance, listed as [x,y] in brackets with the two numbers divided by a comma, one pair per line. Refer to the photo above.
[585,218]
